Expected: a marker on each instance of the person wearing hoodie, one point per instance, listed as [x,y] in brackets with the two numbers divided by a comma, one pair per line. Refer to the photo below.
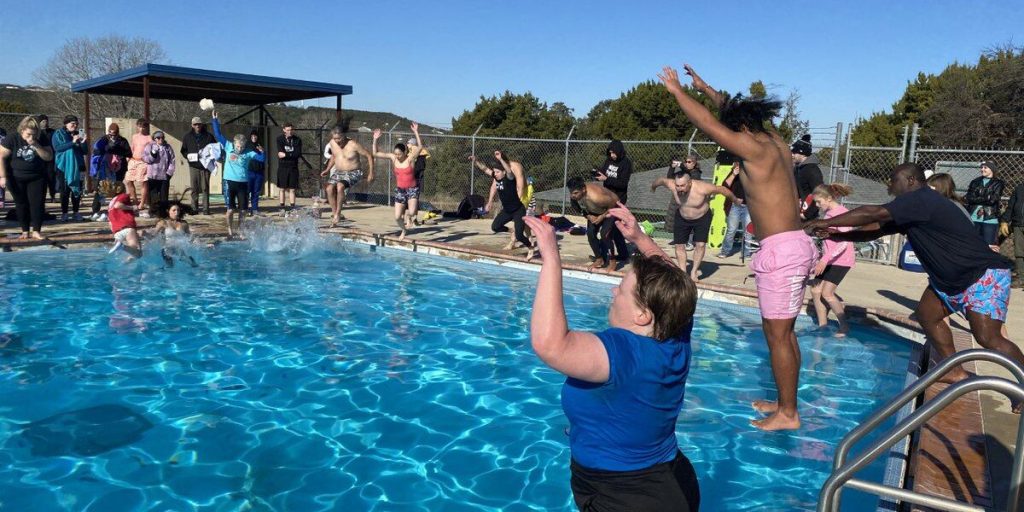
[808,176]
[46,133]
[614,174]
[192,144]
[69,152]
[254,173]
[159,158]
[236,168]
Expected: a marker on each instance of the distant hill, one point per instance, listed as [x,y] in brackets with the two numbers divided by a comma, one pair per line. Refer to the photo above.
[35,100]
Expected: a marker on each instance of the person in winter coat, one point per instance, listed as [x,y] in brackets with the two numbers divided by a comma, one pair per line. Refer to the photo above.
[614,173]
[255,173]
[1013,221]
[982,200]
[808,176]
[46,133]
[192,144]
[159,158]
[110,156]
[69,151]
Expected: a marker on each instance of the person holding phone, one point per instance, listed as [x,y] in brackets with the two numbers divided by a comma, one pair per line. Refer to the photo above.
[69,152]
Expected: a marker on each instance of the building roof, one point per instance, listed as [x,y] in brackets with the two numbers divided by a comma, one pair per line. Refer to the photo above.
[192,84]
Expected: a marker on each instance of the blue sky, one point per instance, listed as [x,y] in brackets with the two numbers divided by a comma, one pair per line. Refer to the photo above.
[431,60]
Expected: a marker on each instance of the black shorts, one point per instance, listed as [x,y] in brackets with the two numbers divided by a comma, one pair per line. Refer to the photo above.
[700,229]
[287,177]
[238,195]
[834,274]
[670,486]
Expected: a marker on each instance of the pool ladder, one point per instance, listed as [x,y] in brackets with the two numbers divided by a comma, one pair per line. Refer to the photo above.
[843,471]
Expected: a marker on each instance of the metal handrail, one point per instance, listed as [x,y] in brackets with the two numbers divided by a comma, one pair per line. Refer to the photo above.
[828,500]
[918,387]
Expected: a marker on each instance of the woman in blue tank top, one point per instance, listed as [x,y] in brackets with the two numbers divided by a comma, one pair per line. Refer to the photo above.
[625,385]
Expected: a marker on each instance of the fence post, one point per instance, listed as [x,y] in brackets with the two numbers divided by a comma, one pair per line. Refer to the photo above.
[689,144]
[835,151]
[846,162]
[391,144]
[472,170]
[913,145]
[565,169]
[903,147]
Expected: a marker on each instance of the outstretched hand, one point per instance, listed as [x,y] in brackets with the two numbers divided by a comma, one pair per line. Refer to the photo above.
[818,228]
[547,243]
[670,78]
[415,127]
[376,134]
[626,222]
[698,82]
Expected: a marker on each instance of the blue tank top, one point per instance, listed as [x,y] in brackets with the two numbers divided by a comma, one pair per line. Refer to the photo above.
[629,422]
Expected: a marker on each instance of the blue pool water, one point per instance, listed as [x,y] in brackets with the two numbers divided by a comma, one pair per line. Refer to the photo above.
[325,376]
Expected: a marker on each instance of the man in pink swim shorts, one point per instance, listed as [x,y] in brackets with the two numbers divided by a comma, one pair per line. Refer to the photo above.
[787,255]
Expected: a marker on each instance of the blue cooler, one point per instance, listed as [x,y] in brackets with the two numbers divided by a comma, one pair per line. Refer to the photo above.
[908,260]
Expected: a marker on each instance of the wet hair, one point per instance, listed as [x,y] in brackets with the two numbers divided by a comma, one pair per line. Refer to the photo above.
[163,209]
[576,183]
[910,169]
[944,184]
[832,190]
[753,114]
[402,147]
[667,292]
[28,122]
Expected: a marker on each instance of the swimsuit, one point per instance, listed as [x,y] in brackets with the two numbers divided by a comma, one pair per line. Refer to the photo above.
[781,267]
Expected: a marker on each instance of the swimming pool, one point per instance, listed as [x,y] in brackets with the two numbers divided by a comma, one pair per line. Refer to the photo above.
[326,376]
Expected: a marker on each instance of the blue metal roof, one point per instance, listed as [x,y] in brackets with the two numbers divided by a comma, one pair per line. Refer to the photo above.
[192,84]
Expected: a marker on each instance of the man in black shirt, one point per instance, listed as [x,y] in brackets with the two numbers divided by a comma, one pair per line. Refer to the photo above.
[614,174]
[192,144]
[964,275]
[807,174]
[289,149]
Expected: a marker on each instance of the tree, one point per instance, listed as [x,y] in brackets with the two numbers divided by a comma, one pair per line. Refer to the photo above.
[791,126]
[515,115]
[84,58]
[12,107]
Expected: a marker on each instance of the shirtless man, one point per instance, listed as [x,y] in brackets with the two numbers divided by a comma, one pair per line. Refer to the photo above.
[595,200]
[343,165]
[787,254]
[694,200]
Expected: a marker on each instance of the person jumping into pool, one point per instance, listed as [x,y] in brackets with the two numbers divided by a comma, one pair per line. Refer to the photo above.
[964,275]
[516,168]
[406,192]
[787,254]
[694,198]
[174,229]
[508,184]
[121,213]
[594,201]
[836,260]
[236,174]
[624,386]
[344,168]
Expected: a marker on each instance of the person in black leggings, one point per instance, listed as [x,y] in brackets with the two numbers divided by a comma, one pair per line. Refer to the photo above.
[508,185]
[23,163]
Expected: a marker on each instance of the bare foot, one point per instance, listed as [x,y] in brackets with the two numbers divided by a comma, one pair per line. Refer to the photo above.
[694,278]
[401,238]
[23,236]
[334,221]
[509,246]
[37,235]
[765,406]
[597,264]
[530,254]
[777,421]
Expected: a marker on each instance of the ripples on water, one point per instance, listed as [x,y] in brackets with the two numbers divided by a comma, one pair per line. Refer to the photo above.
[294,372]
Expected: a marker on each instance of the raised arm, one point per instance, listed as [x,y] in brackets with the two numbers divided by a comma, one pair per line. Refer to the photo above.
[500,157]
[700,85]
[577,354]
[373,147]
[481,166]
[419,143]
[736,143]
[517,171]
[216,131]
[718,189]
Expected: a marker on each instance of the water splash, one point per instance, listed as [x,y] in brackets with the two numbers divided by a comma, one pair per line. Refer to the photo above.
[295,236]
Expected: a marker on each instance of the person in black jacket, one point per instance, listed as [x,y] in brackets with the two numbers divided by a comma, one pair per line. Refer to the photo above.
[614,174]
[807,174]
[982,200]
[53,185]
[289,150]
[1013,220]
[191,144]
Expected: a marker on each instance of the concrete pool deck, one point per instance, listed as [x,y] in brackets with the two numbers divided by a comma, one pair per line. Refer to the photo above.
[877,289]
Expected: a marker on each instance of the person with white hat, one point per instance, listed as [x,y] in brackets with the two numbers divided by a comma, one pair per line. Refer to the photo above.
[192,143]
